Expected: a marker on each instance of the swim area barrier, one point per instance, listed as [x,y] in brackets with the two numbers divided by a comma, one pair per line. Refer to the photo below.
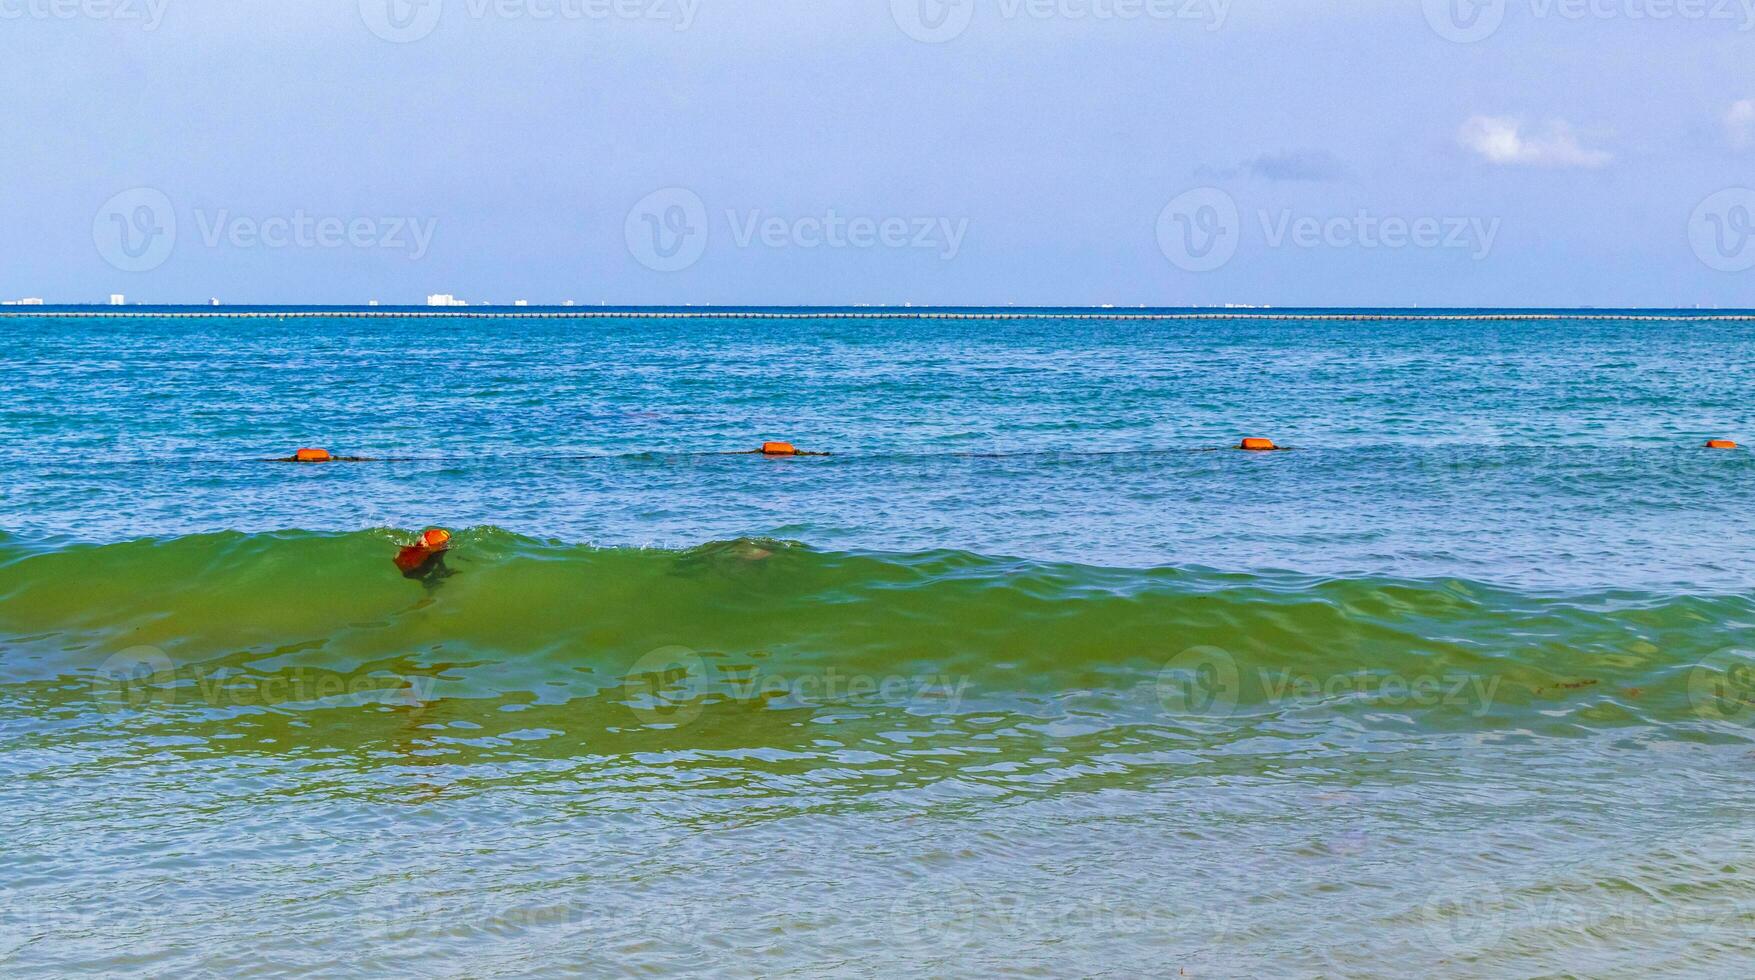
[787,450]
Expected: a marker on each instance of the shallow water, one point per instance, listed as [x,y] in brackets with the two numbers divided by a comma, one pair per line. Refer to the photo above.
[1031,676]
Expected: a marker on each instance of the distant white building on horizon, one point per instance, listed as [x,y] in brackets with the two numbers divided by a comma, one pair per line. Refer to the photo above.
[117,299]
[444,299]
[27,301]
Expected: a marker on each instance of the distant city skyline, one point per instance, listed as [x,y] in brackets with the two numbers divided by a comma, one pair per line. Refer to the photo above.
[1449,153]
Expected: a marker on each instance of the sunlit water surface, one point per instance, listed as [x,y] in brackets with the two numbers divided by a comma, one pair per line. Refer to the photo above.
[1032,676]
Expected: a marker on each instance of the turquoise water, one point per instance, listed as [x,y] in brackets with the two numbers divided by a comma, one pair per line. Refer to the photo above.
[1033,674]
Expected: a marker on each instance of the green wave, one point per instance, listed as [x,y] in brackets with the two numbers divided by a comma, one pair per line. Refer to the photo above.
[736,642]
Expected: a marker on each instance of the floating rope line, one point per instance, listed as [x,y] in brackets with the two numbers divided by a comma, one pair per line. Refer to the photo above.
[768,449]
[320,456]
[317,457]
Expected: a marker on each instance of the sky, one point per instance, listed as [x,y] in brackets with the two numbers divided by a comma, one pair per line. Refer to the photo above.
[886,152]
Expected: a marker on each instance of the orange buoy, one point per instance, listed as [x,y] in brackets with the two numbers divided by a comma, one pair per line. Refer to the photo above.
[312,456]
[1258,445]
[778,449]
[1720,444]
[435,538]
[425,554]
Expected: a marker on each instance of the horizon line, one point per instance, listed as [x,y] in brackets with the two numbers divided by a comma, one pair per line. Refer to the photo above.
[1239,312]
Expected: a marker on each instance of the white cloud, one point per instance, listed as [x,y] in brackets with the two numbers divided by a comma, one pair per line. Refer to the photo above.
[1502,141]
[1740,124]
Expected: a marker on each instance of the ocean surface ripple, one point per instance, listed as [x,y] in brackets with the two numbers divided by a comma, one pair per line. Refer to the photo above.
[1033,676]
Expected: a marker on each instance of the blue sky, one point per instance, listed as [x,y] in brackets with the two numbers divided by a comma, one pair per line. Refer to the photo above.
[1159,152]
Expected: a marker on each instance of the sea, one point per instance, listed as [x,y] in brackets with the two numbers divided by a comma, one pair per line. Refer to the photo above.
[1031,672]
